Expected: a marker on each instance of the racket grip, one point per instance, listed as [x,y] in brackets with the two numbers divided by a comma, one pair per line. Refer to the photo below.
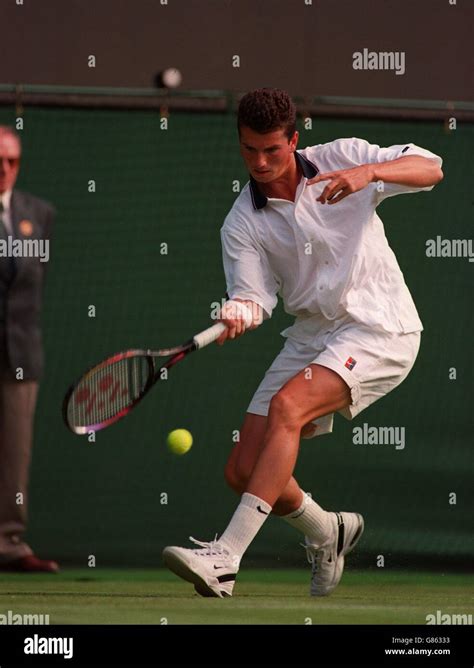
[208,335]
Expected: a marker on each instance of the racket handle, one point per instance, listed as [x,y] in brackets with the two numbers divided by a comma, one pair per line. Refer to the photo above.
[208,335]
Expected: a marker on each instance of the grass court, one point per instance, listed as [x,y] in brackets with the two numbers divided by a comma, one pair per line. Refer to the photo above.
[120,596]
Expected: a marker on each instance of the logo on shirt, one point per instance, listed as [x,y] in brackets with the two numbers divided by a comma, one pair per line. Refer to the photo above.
[350,363]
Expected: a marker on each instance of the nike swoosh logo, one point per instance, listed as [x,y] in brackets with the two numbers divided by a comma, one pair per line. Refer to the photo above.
[218,567]
[261,511]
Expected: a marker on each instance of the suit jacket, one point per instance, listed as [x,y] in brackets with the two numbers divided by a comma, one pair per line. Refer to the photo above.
[21,287]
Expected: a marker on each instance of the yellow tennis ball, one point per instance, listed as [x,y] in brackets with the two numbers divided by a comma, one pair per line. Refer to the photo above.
[179,441]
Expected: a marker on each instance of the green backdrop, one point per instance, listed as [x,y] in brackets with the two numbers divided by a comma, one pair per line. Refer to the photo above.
[175,186]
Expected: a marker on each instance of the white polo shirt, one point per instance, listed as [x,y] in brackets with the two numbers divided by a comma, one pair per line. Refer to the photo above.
[325,261]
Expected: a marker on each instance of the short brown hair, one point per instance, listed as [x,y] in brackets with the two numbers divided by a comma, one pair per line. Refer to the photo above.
[267,109]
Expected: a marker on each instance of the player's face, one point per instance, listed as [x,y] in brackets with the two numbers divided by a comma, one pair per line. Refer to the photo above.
[269,156]
[9,161]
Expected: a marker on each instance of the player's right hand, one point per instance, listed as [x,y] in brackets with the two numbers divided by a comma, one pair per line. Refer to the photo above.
[235,322]
[235,328]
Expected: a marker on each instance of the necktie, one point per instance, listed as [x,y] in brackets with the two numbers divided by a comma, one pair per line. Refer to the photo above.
[3,231]
[10,264]
[3,227]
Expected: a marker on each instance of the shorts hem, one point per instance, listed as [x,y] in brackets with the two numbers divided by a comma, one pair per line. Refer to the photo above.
[256,411]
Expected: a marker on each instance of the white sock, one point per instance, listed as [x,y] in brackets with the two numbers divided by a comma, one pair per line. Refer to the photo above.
[245,524]
[311,520]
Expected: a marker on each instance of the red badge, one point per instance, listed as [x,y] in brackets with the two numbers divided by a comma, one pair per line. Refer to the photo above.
[26,228]
[350,363]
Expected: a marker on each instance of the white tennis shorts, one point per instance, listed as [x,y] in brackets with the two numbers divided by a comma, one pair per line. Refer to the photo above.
[372,363]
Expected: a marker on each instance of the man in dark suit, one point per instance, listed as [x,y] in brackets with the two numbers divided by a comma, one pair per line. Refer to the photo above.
[25,228]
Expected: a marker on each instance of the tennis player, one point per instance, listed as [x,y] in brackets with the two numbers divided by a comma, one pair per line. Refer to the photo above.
[305,228]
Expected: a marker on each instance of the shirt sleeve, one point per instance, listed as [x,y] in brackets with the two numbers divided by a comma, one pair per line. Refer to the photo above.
[247,270]
[371,153]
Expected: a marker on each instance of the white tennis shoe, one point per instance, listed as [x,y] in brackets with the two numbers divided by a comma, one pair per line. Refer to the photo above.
[211,568]
[327,560]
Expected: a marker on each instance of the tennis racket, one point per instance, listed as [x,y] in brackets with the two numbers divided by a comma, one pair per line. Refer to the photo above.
[108,391]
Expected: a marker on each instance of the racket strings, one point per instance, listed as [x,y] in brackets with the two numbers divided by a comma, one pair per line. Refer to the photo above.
[107,391]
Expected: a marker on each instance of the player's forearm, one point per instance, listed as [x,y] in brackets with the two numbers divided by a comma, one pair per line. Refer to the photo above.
[413,170]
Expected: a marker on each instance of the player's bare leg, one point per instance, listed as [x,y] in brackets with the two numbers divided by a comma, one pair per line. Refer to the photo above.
[327,392]
[242,462]
[298,402]
[322,529]
[213,567]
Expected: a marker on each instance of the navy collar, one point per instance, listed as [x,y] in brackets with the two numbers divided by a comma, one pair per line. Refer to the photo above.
[309,169]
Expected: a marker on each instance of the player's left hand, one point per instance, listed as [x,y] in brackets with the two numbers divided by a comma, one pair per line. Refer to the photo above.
[342,183]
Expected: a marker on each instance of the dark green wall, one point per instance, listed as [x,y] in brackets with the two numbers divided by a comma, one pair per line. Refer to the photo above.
[174,186]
